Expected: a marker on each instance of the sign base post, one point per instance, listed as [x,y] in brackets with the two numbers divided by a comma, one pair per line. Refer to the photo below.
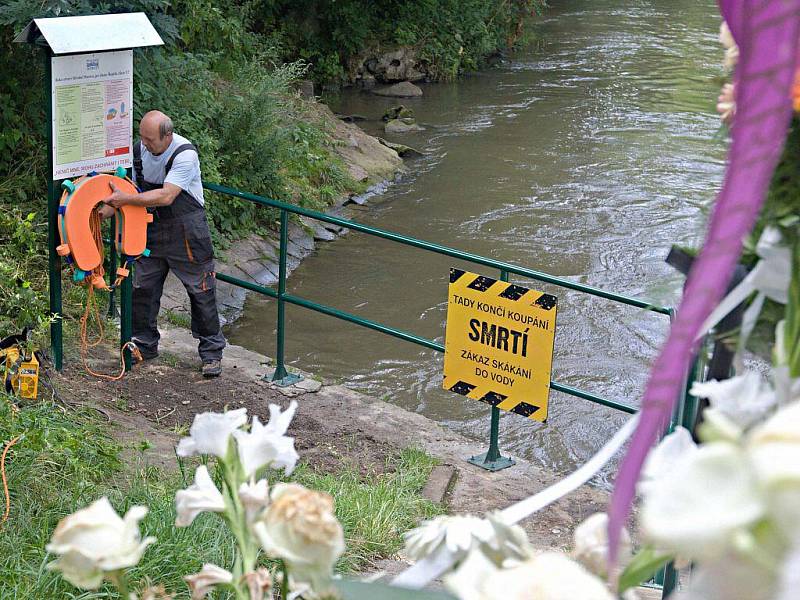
[492,460]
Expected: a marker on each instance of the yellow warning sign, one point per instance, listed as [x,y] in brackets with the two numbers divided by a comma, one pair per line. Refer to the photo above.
[499,343]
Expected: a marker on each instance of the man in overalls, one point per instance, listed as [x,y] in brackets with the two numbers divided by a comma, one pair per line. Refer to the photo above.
[167,170]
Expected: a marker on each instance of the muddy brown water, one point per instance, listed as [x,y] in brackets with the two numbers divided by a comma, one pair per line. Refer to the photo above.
[585,156]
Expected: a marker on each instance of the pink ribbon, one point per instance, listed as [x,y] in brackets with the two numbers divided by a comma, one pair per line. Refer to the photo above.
[766,32]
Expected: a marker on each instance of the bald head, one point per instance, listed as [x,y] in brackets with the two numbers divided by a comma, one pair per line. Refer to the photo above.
[155,131]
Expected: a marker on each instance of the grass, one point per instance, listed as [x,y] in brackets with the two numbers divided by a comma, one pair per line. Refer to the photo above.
[179,319]
[66,460]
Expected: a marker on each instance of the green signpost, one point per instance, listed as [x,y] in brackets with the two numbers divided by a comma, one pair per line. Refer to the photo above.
[85,40]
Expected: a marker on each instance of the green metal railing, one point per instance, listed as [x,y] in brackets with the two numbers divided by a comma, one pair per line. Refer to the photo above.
[505,269]
[492,459]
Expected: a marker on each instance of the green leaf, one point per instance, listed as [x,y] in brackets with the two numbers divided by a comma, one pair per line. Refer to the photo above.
[642,567]
[357,590]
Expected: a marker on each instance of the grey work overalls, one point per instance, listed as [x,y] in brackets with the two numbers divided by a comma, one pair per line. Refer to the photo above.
[178,240]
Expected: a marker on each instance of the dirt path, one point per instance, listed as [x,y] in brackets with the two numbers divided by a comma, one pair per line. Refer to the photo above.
[334,426]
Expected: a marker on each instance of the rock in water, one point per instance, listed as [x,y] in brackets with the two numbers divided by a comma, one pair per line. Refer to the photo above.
[398,112]
[398,126]
[404,89]
[401,149]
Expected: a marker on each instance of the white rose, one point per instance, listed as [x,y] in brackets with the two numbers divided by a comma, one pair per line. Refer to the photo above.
[696,508]
[202,496]
[300,528]
[591,544]
[94,541]
[546,576]
[210,432]
[268,444]
[207,579]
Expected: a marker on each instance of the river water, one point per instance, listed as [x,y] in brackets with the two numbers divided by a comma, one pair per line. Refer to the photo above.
[585,156]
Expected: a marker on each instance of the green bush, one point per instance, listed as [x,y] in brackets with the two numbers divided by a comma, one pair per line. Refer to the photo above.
[225,76]
[224,88]
[452,36]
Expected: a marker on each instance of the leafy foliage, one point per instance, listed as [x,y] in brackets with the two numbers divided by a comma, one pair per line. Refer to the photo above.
[225,89]
[225,76]
[452,36]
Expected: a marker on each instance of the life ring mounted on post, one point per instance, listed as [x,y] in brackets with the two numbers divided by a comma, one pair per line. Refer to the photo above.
[82,246]
[79,228]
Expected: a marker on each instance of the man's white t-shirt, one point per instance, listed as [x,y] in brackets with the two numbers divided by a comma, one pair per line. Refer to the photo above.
[185,171]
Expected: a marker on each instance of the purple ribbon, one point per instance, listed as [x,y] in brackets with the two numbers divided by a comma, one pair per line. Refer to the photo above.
[766,32]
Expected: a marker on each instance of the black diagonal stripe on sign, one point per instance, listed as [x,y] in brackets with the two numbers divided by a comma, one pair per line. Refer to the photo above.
[455,275]
[546,301]
[514,292]
[493,398]
[525,409]
[463,388]
[482,283]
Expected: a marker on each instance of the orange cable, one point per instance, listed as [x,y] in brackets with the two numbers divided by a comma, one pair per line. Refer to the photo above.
[5,481]
[91,310]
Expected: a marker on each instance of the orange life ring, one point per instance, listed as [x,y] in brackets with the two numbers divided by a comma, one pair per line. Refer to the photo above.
[79,244]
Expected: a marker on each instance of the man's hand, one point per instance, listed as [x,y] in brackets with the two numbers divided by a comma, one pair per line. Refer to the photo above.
[106,211]
[117,198]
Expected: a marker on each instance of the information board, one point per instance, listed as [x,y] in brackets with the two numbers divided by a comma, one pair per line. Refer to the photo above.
[92,112]
[499,343]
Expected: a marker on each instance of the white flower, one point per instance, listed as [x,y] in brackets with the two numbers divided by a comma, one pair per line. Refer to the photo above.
[731,49]
[268,444]
[744,399]
[300,527]
[698,506]
[458,533]
[546,576]
[202,496]
[591,544]
[209,576]
[474,569]
[789,579]
[254,497]
[506,541]
[210,432]
[259,583]
[731,577]
[772,274]
[674,448]
[774,448]
[726,103]
[95,540]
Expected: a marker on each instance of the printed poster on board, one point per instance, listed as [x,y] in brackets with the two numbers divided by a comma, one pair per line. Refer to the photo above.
[92,113]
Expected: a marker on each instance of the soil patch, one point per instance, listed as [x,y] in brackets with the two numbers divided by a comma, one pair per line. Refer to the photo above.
[153,406]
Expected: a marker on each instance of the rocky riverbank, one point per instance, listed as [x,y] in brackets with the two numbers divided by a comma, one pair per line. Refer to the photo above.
[255,258]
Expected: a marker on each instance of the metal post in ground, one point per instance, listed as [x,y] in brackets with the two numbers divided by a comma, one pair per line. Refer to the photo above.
[493,460]
[112,261]
[281,376]
[126,318]
[53,259]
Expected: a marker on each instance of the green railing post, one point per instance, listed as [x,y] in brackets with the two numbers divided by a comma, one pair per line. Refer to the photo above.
[112,261]
[493,460]
[126,318]
[53,260]
[281,376]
